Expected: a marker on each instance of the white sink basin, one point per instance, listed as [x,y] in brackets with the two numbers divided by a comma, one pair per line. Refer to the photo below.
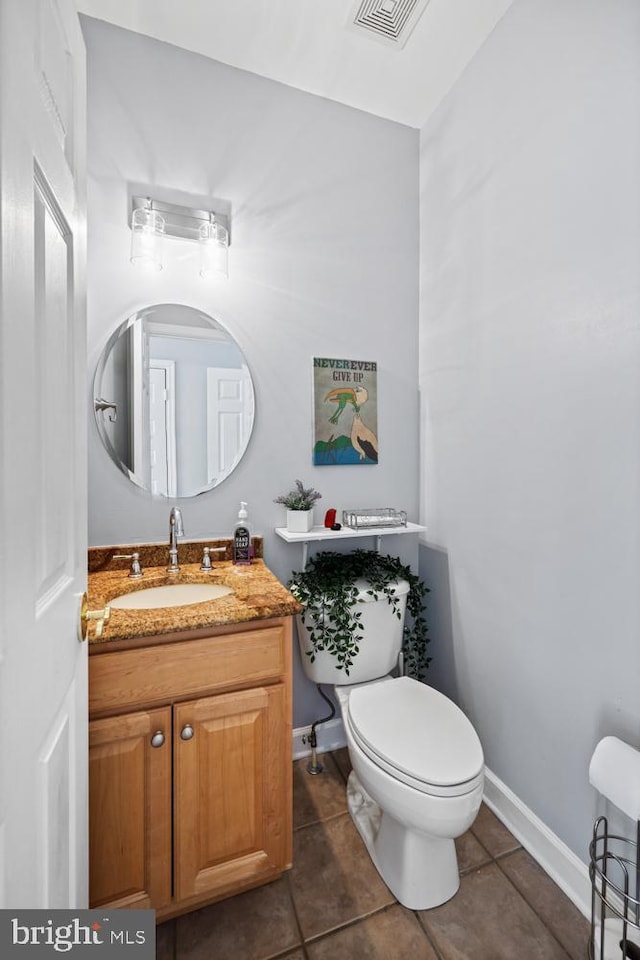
[170,595]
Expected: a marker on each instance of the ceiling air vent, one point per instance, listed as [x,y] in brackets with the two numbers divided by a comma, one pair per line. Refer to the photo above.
[388,20]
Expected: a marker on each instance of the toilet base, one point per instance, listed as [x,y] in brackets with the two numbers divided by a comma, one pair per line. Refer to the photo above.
[421,871]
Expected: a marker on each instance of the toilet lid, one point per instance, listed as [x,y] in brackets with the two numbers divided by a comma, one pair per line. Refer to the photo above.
[417,731]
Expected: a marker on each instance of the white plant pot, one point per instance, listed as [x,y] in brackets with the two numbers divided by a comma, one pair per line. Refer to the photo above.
[299,521]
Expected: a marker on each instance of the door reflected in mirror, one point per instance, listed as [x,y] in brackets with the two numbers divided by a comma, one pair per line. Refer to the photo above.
[174,400]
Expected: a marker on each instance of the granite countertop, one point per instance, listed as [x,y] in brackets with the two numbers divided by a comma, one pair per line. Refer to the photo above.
[257,595]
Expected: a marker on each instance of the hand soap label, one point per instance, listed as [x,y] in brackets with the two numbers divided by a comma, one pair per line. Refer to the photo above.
[241,545]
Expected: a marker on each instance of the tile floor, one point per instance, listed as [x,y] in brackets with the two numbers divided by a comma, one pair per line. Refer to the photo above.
[333,905]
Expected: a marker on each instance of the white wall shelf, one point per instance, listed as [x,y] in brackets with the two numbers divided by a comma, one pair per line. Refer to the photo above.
[317,534]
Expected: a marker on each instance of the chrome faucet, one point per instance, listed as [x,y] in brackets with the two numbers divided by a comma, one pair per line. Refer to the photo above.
[175,530]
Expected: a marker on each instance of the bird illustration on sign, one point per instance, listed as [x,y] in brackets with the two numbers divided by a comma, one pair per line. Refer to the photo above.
[342,388]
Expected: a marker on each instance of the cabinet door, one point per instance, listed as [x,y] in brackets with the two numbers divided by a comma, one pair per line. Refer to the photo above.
[232,790]
[130,810]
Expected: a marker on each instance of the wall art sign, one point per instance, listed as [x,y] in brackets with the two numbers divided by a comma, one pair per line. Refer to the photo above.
[345,402]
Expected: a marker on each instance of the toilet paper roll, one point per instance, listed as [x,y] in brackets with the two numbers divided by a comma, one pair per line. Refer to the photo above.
[615,772]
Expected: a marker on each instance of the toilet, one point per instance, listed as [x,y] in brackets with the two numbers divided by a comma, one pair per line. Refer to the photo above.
[417,763]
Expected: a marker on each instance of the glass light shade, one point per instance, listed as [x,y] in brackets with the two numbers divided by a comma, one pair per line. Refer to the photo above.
[147,238]
[214,250]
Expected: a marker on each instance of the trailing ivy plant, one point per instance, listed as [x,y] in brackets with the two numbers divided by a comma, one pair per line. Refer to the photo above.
[327,591]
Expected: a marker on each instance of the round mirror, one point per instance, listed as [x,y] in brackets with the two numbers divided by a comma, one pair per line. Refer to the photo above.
[174,400]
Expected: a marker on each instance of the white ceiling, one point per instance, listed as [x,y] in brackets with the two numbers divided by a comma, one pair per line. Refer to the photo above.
[311,45]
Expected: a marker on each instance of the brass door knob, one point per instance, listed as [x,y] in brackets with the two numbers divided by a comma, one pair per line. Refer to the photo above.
[100,616]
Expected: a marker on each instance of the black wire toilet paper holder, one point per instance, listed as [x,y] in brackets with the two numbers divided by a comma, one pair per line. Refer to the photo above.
[614,872]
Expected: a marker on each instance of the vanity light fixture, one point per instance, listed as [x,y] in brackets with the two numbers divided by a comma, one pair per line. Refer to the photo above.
[147,236]
[152,220]
[214,249]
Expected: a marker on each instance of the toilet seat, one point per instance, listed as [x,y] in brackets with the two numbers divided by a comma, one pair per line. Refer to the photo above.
[417,735]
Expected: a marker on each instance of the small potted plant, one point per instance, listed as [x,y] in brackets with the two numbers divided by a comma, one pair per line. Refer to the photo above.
[299,504]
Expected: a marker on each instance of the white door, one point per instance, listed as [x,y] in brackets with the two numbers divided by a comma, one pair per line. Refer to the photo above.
[229,407]
[162,427]
[139,392]
[43,502]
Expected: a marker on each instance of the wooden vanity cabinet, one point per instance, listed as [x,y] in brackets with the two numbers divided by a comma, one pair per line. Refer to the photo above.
[190,767]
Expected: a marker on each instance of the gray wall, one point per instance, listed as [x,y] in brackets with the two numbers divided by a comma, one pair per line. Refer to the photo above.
[323,262]
[530,379]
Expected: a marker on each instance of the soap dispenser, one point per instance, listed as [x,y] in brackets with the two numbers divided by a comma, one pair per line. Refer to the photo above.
[242,537]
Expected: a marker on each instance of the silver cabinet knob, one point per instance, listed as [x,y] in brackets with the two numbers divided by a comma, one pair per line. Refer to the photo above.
[187,732]
[157,739]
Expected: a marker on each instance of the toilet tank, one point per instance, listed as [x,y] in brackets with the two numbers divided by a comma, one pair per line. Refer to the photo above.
[380,644]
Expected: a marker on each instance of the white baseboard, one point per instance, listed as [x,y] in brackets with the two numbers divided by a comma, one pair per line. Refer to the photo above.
[330,737]
[553,855]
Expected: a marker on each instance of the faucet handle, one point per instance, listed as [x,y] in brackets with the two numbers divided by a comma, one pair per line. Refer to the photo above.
[136,570]
[206,558]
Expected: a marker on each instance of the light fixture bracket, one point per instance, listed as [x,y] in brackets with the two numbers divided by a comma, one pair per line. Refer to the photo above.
[183,223]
